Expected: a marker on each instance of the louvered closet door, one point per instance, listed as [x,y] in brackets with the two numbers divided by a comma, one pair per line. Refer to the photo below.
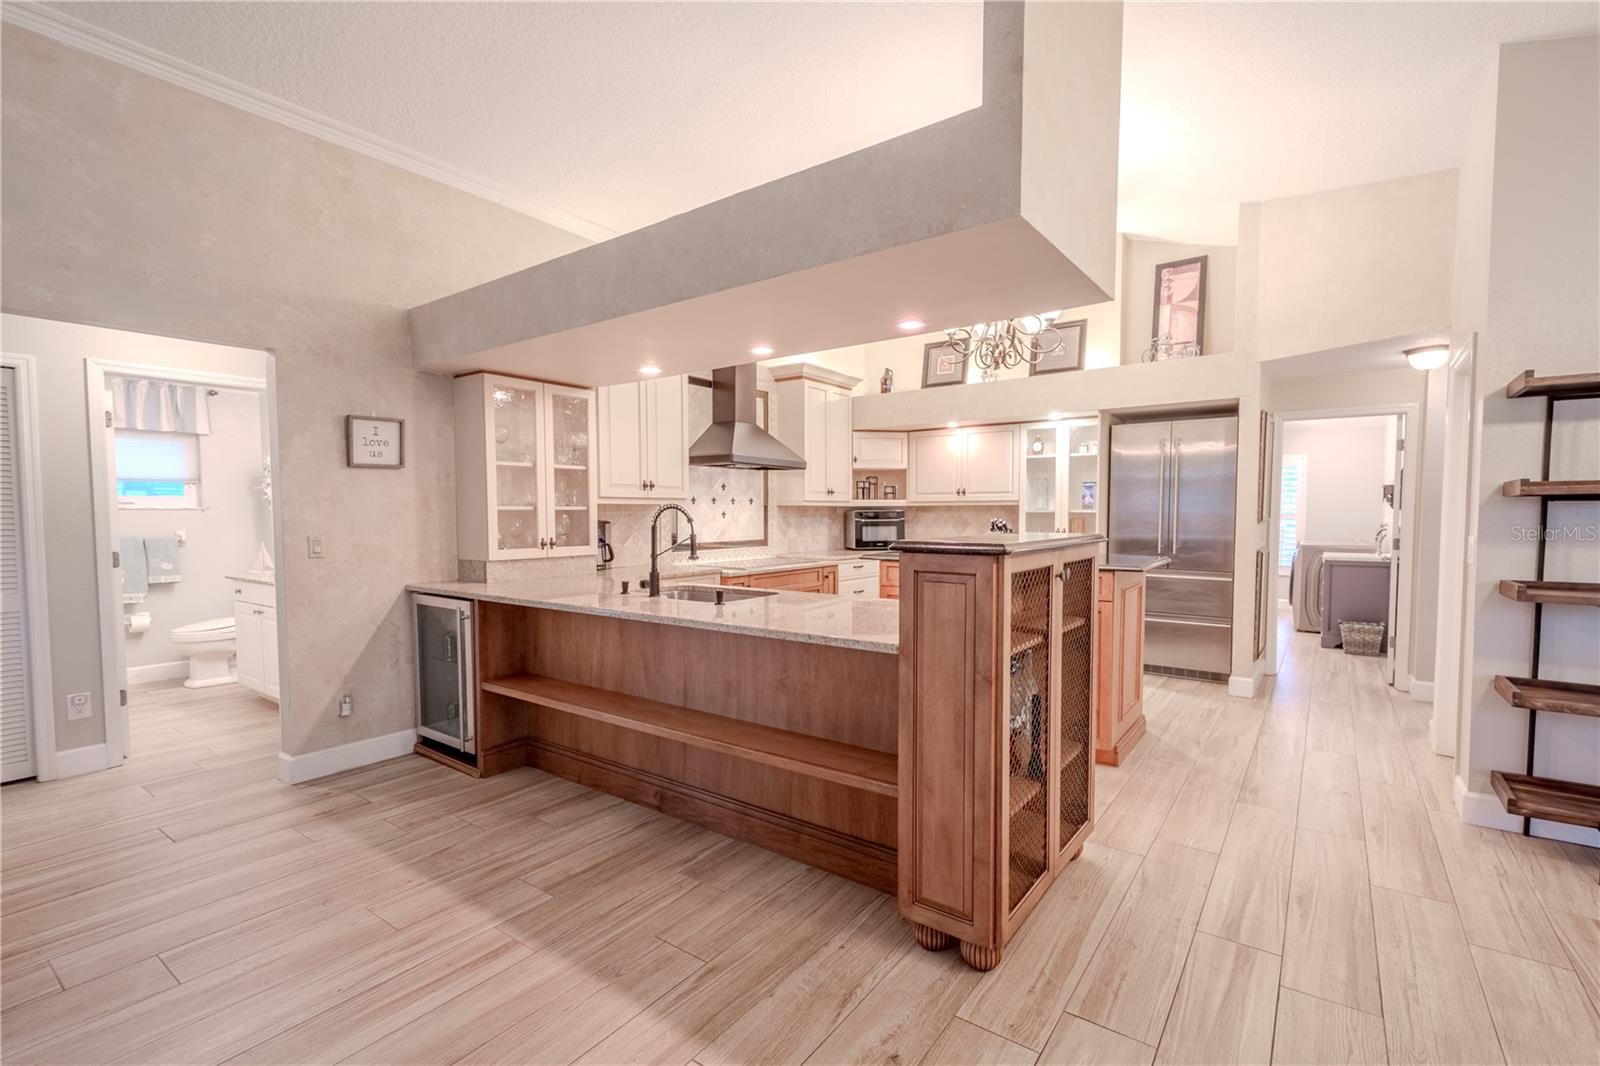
[16,732]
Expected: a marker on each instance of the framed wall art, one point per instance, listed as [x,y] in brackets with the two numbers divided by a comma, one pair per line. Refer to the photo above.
[1180,302]
[1069,356]
[1268,427]
[374,442]
[942,366]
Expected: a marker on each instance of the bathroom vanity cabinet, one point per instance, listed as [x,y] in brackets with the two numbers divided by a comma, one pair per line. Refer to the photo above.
[255,628]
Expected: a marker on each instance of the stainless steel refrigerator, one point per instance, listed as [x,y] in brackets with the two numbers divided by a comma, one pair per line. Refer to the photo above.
[1172,494]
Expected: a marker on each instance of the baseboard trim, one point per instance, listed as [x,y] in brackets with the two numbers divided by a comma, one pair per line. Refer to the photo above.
[143,675]
[1422,690]
[84,760]
[1242,687]
[294,769]
[1484,809]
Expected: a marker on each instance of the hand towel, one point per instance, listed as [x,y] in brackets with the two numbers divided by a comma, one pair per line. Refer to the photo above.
[135,569]
[161,554]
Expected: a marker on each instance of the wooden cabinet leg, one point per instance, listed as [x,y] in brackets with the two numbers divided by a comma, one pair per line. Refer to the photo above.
[931,938]
[980,958]
[1075,855]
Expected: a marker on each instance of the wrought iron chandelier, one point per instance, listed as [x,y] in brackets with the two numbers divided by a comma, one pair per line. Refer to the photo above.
[1007,343]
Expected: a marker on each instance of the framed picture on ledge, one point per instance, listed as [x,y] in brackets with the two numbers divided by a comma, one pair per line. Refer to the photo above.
[1180,304]
[942,366]
[1069,355]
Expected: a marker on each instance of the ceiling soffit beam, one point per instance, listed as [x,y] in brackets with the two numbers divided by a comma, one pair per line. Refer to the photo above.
[1001,210]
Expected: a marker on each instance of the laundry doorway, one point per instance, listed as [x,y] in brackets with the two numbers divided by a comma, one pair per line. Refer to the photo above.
[1341,531]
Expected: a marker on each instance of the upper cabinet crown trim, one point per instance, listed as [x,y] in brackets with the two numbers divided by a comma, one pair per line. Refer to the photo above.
[813,372]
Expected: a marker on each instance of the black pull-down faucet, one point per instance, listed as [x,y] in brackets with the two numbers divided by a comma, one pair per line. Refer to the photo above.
[656,552]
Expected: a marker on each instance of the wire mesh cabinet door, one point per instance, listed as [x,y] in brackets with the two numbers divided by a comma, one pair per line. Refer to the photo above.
[1076,649]
[1028,728]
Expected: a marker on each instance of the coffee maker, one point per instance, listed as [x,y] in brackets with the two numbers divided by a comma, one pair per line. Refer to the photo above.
[605,553]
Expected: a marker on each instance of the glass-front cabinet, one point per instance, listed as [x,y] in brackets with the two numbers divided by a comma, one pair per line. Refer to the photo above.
[1061,476]
[525,468]
[445,681]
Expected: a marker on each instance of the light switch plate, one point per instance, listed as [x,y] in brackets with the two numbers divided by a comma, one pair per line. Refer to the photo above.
[79,706]
[314,547]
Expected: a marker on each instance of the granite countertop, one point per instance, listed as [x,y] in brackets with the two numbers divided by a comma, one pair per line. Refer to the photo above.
[1135,562]
[810,618]
[254,577]
[997,543]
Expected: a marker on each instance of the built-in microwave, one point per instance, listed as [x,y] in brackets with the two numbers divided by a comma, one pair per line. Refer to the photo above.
[874,530]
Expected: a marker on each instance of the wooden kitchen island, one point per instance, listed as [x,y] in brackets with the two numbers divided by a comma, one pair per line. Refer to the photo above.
[781,719]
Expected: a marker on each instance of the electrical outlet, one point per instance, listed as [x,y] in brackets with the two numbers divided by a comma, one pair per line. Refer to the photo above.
[314,547]
[79,707]
[346,705]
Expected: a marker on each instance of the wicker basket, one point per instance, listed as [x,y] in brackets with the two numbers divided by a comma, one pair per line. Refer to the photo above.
[1361,638]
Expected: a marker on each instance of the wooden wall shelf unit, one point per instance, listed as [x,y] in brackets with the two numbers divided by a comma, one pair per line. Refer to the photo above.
[1524,794]
[997,691]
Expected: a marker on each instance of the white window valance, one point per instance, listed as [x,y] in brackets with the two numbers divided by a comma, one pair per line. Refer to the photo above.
[159,406]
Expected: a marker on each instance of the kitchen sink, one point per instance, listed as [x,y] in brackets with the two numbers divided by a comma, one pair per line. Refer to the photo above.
[709,594]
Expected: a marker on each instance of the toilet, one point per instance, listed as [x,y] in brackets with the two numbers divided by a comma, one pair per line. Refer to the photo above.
[208,645]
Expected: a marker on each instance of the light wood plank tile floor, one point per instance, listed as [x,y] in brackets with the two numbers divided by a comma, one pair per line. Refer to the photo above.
[1276,880]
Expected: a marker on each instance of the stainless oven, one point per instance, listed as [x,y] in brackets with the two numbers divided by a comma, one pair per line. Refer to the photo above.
[874,530]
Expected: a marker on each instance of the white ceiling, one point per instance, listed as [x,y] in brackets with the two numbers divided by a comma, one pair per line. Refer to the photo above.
[604,117]
[1224,104]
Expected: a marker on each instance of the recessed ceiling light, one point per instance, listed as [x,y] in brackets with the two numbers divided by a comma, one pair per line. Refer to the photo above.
[649,370]
[911,325]
[1429,356]
[761,350]
[951,425]
[1055,416]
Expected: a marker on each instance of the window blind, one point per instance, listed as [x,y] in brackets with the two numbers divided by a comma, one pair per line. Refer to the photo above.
[1289,504]
[147,456]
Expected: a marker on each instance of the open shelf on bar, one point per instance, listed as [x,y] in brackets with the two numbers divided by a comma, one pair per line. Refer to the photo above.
[1547,798]
[829,760]
[1563,593]
[1560,697]
[1558,386]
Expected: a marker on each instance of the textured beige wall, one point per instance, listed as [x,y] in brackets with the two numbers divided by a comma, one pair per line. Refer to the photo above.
[131,203]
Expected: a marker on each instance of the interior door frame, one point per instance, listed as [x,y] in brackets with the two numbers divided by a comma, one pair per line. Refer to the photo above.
[36,597]
[1455,555]
[1407,506]
[112,674]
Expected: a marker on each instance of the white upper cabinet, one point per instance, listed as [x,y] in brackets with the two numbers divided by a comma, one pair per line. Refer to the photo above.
[881,451]
[964,465]
[811,414]
[644,447]
[525,468]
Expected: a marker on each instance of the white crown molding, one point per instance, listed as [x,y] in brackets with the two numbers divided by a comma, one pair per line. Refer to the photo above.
[89,38]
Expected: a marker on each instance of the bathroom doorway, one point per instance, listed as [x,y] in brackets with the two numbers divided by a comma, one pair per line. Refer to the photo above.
[1341,542]
[185,518]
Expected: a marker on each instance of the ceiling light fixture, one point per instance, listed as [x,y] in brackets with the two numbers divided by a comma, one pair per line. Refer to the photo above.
[911,325]
[951,425]
[1429,356]
[761,350]
[1007,343]
[649,370]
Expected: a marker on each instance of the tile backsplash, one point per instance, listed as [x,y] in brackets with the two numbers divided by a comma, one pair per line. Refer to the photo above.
[790,531]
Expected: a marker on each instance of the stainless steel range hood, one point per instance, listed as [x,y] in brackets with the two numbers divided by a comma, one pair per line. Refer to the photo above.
[733,438]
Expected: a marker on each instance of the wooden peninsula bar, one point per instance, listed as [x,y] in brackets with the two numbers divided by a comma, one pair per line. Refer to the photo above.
[936,747]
